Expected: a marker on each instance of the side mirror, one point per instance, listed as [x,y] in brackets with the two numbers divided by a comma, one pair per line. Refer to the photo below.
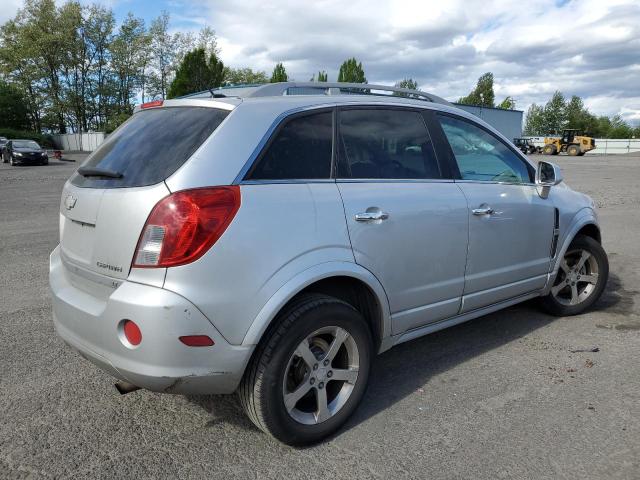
[548,174]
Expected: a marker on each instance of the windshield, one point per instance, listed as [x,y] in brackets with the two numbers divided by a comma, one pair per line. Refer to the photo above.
[149,147]
[26,144]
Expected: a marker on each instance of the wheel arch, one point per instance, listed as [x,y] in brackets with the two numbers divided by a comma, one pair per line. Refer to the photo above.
[584,223]
[348,282]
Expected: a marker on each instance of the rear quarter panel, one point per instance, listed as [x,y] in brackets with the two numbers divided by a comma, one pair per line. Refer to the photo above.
[280,231]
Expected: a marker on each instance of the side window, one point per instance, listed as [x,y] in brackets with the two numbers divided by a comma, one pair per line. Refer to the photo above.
[378,143]
[481,156]
[301,149]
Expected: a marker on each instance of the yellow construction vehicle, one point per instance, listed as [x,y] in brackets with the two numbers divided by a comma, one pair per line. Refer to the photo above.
[572,142]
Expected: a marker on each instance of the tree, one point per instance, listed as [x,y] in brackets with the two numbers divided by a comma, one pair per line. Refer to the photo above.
[195,74]
[555,114]
[12,105]
[164,48]
[351,71]
[322,77]
[507,104]
[127,60]
[482,95]
[534,123]
[279,74]
[409,83]
[244,76]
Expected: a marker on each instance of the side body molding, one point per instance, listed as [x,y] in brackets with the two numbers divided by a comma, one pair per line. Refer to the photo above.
[312,275]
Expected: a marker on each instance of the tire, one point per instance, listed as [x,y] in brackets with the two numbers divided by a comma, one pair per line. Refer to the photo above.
[573,150]
[11,162]
[549,150]
[573,290]
[277,370]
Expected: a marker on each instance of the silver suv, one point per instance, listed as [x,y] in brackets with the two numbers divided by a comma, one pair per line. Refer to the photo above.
[271,240]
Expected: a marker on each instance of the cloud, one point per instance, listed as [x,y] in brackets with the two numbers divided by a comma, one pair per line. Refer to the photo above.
[588,48]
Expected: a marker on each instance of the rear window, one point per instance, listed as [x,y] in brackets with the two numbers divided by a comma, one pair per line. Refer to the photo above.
[301,149]
[151,146]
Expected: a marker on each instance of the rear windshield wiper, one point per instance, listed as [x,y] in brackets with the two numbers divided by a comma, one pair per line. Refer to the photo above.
[98,172]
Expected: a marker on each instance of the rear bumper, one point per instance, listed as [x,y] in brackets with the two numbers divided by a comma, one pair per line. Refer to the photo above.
[161,363]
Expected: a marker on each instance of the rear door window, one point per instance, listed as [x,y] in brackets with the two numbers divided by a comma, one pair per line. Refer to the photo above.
[300,149]
[385,143]
[151,146]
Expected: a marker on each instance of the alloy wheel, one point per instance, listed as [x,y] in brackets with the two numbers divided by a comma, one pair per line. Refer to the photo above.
[320,375]
[577,277]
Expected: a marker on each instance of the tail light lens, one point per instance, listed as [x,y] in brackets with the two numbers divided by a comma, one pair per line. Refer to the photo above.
[184,225]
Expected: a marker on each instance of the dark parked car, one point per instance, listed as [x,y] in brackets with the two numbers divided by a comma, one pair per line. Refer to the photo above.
[24,151]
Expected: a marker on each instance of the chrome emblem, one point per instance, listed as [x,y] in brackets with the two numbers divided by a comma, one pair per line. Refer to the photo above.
[70,202]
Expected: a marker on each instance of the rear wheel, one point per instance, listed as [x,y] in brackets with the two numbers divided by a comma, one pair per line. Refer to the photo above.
[581,279]
[310,373]
[573,150]
[549,150]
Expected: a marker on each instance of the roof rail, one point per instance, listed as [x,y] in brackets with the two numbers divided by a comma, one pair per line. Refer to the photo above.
[338,88]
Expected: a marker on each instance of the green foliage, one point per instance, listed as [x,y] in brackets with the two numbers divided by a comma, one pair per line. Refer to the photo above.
[558,114]
[534,122]
[482,95]
[195,74]
[75,70]
[279,74]
[322,77]
[409,83]
[555,113]
[351,71]
[244,76]
[42,139]
[115,121]
[508,103]
[13,111]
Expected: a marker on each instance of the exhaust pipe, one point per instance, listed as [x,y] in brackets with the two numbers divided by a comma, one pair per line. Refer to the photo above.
[125,387]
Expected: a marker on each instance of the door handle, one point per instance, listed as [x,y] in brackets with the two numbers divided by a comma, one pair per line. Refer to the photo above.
[371,216]
[483,210]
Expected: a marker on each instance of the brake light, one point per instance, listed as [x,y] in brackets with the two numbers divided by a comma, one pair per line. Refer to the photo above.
[154,103]
[184,225]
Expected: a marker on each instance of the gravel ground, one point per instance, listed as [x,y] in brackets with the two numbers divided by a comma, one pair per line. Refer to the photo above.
[498,397]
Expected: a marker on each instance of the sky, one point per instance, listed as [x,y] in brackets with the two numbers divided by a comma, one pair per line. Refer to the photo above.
[589,48]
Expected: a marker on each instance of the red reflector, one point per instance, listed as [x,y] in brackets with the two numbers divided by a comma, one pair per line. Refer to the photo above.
[184,225]
[155,103]
[132,332]
[196,340]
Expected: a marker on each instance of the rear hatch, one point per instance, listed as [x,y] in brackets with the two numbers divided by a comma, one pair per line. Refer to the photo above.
[105,204]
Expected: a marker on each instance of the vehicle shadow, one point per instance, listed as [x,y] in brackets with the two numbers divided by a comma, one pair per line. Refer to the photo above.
[405,368]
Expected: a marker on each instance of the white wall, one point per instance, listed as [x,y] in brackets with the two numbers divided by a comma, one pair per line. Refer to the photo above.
[86,142]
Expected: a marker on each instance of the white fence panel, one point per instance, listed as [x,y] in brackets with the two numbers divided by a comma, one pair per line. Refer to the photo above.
[85,142]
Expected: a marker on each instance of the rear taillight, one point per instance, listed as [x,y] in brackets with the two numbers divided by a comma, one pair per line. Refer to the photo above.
[184,225]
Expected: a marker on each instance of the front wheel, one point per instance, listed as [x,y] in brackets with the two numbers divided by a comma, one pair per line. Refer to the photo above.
[11,161]
[309,374]
[581,279]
